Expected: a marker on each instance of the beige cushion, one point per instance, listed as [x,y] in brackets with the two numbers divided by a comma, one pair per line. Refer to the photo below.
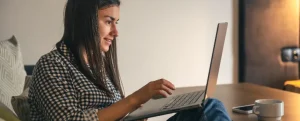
[12,72]
[20,102]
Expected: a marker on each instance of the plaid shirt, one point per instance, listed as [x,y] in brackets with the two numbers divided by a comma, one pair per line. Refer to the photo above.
[59,91]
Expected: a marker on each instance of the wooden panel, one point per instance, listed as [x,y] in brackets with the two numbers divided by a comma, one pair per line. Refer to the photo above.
[266,26]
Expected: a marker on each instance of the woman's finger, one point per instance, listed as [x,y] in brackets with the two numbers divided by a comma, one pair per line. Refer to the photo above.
[168,84]
[161,86]
[163,93]
[166,89]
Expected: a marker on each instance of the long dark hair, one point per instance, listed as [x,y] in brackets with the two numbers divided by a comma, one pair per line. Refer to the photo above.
[82,37]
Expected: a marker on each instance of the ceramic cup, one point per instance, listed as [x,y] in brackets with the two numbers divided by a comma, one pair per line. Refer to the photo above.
[268,109]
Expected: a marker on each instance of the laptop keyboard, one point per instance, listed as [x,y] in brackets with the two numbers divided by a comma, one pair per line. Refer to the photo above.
[183,99]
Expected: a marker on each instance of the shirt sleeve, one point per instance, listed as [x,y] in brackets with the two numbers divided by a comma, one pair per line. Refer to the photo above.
[54,96]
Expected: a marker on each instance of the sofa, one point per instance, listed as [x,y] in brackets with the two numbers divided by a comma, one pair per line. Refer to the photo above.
[15,79]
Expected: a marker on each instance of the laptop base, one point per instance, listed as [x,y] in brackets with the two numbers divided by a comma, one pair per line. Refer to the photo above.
[154,108]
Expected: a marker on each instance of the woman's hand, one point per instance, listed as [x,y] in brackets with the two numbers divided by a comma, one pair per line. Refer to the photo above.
[155,88]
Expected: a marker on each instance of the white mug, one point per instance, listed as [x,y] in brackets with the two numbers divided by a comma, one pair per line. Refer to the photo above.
[269,109]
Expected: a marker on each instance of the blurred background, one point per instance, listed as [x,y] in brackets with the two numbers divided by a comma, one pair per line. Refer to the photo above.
[173,39]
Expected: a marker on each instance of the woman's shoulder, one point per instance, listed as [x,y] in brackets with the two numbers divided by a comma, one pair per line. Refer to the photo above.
[51,57]
[50,69]
[51,62]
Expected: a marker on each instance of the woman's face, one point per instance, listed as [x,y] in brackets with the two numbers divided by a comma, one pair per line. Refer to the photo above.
[108,18]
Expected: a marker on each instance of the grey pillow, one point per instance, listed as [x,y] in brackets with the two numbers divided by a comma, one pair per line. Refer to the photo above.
[27,81]
[20,102]
[12,72]
[21,105]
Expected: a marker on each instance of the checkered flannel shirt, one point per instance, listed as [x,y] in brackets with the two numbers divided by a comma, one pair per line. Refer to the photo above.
[59,91]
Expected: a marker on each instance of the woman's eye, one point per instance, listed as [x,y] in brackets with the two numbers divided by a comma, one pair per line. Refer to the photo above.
[108,22]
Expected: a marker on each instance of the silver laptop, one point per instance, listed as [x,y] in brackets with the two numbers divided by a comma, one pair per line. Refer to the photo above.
[191,100]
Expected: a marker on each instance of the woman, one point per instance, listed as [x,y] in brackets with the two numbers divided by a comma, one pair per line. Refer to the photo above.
[80,80]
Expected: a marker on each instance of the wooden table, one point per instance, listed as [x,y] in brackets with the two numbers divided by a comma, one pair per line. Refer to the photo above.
[244,93]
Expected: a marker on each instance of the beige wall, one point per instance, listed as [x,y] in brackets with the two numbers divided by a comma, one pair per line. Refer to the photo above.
[170,39]
[37,24]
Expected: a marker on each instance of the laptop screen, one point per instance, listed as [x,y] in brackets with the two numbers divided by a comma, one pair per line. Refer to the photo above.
[216,59]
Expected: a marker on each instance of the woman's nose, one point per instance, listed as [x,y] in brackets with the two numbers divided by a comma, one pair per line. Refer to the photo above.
[115,32]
